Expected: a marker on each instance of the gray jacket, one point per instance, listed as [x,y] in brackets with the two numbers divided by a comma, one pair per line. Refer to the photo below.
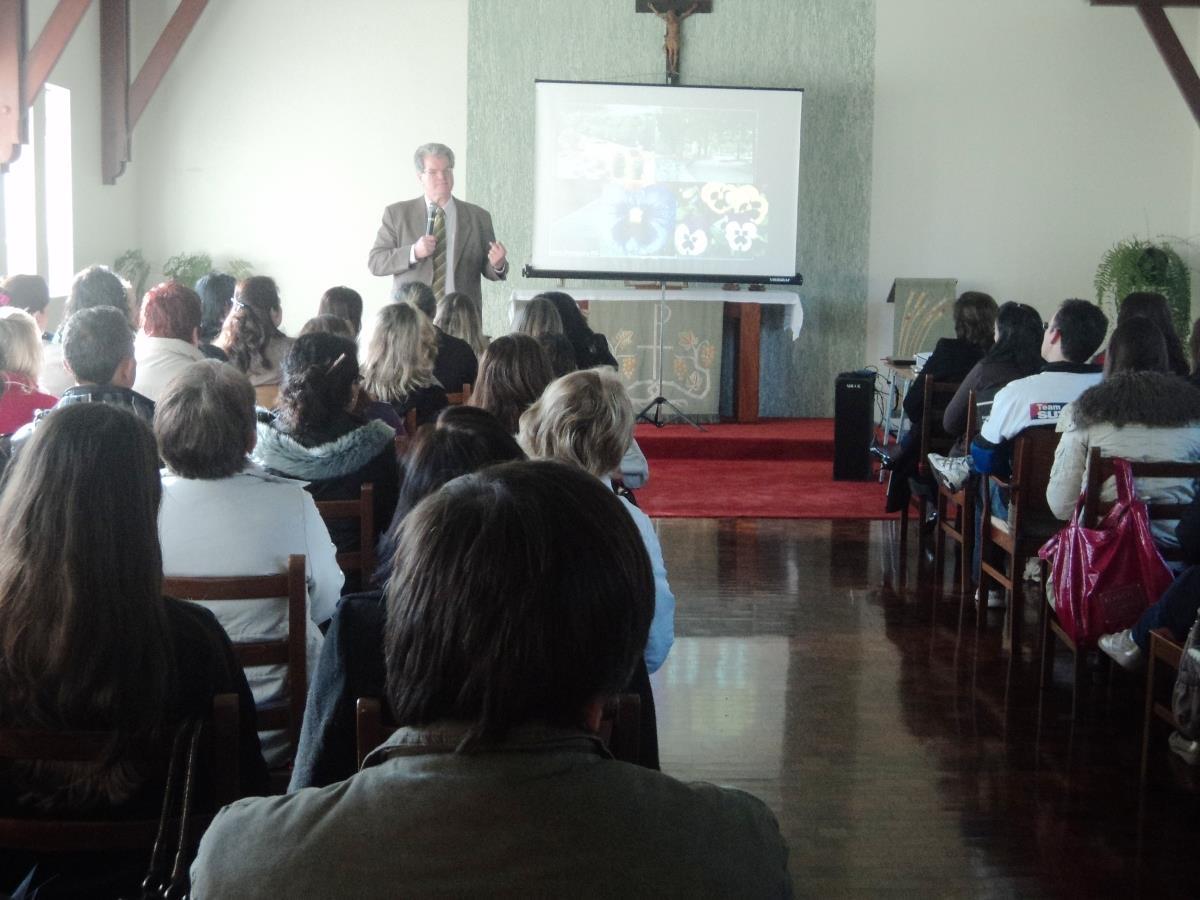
[546,813]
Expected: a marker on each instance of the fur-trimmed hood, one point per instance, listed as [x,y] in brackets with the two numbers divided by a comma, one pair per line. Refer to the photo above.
[1153,399]
[349,453]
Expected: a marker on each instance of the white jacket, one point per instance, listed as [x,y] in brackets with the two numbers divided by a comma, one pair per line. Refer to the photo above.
[159,360]
[248,524]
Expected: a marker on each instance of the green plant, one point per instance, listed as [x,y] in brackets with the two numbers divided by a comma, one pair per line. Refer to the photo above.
[132,266]
[186,268]
[1137,265]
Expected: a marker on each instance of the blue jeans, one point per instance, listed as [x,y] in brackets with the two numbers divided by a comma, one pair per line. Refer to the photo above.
[1175,611]
[999,510]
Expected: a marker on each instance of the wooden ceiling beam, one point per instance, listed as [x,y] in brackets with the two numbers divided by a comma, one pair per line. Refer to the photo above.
[12,53]
[166,48]
[50,45]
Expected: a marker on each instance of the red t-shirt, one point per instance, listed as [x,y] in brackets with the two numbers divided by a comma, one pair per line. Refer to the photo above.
[20,401]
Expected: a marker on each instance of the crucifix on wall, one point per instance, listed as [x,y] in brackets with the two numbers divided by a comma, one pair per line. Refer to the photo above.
[673,12]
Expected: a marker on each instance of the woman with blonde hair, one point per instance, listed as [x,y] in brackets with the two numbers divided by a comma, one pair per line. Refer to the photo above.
[586,419]
[20,364]
[537,317]
[251,337]
[458,317]
[399,367]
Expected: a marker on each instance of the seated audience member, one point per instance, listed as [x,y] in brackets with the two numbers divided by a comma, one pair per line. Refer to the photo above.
[328,323]
[559,352]
[1072,337]
[251,337]
[88,642]
[591,349]
[458,317]
[537,317]
[1015,354]
[1138,412]
[216,300]
[1194,353]
[345,303]
[512,374]
[503,642]
[1153,306]
[464,440]
[400,362]
[951,360]
[94,286]
[586,419]
[454,363]
[20,363]
[30,293]
[167,343]
[223,515]
[315,436]
[97,348]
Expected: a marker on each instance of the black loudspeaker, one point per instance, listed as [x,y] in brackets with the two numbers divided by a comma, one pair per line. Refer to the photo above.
[853,425]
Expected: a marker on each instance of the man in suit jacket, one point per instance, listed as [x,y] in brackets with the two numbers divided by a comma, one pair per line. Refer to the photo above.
[407,249]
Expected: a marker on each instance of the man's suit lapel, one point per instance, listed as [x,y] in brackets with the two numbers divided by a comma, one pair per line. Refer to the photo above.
[464,230]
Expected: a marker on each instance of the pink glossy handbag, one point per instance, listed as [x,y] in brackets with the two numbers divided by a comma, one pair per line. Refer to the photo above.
[1105,577]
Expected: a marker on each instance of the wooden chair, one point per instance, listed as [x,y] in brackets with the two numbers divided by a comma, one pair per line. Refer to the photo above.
[66,834]
[1029,525]
[1165,655]
[1100,469]
[961,527]
[620,727]
[935,398]
[288,650]
[362,560]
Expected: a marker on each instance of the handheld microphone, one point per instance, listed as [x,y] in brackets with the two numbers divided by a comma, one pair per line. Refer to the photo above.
[429,219]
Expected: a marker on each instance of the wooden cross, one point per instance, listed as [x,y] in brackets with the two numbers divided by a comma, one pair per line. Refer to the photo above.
[673,12]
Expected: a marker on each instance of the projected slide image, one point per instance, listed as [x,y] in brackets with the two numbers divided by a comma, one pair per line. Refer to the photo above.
[657,182]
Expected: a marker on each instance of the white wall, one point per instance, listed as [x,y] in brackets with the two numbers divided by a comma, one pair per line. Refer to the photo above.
[105,215]
[285,126]
[1015,142]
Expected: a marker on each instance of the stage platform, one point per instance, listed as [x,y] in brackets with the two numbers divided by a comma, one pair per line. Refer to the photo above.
[776,468]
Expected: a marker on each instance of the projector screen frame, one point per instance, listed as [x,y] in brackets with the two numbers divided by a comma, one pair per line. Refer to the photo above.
[530,271]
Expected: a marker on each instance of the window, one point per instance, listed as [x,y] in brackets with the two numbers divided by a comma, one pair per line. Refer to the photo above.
[38,225]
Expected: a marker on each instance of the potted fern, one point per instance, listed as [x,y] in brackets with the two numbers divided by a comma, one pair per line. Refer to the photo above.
[1141,265]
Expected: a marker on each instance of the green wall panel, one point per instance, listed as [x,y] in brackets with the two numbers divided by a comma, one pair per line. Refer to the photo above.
[823,46]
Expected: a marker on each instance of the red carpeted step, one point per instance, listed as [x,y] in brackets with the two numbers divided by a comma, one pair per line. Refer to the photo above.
[770,439]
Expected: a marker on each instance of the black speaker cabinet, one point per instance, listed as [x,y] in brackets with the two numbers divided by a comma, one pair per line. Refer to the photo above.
[853,426]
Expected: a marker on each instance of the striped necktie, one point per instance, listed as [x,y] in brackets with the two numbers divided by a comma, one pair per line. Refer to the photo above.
[439,253]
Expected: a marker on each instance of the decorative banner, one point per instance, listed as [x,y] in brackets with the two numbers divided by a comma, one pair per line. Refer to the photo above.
[923,313]
[691,370]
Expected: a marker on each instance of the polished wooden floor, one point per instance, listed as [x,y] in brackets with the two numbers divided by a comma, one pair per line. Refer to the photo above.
[811,670]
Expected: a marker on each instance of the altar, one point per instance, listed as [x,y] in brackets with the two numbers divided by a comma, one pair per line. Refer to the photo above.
[695,321]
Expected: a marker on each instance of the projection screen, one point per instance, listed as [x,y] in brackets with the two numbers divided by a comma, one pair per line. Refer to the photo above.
[651,181]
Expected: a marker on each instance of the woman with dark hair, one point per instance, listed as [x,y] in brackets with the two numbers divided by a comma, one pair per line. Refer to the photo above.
[30,293]
[464,440]
[1017,352]
[313,433]
[591,349]
[951,360]
[216,299]
[88,642]
[1153,306]
[328,323]
[1139,411]
[250,336]
[513,373]
[345,303]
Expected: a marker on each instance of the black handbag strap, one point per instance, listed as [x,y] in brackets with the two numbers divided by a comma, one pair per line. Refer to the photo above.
[157,885]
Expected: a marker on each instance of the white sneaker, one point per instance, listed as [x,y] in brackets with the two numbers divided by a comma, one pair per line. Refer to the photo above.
[1033,569]
[1120,647]
[952,471]
[1188,751]
[996,597]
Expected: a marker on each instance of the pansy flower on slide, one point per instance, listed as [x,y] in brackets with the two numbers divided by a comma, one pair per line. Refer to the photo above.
[643,220]
[740,236]
[690,241]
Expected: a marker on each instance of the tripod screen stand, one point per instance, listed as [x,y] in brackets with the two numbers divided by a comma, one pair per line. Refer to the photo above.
[660,401]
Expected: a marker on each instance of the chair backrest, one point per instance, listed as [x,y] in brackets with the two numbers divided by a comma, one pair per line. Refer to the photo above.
[461,398]
[49,834]
[289,650]
[1100,469]
[265,395]
[935,398]
[362,510]
[972,428]
[620,726]
[1032,459]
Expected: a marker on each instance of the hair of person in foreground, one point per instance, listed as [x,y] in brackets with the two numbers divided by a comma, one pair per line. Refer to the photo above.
[83,635]
[508,605]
